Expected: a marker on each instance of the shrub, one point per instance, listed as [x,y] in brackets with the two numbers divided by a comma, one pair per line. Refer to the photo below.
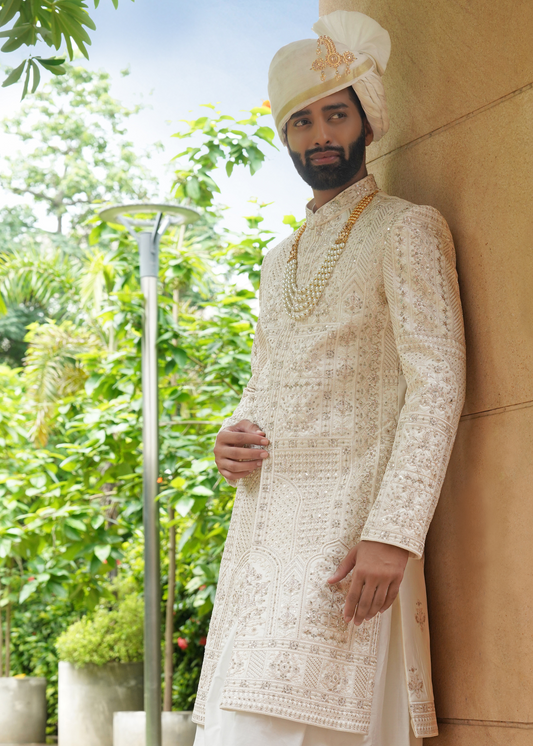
[107,636]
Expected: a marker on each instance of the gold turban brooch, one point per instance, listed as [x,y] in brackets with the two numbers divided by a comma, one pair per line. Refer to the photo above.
[352,49]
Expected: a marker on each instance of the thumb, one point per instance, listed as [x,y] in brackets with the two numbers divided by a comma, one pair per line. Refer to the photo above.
[346,566]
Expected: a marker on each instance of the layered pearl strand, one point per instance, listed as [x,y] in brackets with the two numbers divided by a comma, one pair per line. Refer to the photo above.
[299,303]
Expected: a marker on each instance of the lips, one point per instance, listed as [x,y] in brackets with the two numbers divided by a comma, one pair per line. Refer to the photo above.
[325,158]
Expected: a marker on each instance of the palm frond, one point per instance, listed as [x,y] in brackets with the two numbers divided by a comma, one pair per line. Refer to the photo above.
[53,369]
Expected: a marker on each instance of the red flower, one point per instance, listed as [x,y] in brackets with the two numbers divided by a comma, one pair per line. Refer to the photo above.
[32,577]
[203,587]
[119,562]
[203,640]
[182,643]
[267,104]
[159,480]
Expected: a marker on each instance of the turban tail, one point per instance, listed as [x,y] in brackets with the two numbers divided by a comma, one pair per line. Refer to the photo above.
[352,49]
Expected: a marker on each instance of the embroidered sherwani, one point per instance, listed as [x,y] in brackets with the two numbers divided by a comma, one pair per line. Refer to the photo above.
[361,402]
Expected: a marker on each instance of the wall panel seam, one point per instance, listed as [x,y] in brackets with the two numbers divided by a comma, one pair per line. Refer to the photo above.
[497,410]
[452,124]
[487,723]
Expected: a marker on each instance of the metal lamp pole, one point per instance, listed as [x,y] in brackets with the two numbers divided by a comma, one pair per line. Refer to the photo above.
[148,242]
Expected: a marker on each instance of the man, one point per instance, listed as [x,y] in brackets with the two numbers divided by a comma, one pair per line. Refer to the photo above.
[319,633]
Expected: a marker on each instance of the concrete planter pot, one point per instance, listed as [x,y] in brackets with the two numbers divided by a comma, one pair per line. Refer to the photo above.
[88,697]
[129,729]
[22,710]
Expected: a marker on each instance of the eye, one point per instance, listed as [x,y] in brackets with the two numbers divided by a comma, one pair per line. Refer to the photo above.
[300,122]
[339,115]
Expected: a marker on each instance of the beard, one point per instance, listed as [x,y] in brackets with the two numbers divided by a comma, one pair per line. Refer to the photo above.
[331,175]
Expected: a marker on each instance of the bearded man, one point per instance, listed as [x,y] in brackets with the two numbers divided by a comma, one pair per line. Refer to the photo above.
[319,634]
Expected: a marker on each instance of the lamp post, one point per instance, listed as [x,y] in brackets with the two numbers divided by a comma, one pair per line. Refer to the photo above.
[148,241]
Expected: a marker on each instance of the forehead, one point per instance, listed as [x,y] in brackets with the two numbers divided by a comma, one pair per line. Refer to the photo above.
[340,98]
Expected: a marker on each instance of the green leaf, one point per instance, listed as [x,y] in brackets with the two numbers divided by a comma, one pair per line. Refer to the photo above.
[9,10]
[178,483]
[50,62]
[14,75]
[186,535]
[201,490]
[36,76]
[27,590]
[26,82]
[102,552]
[184,505]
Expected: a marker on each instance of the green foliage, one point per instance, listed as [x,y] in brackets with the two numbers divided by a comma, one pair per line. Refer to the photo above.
[35,628]
[219,138]
[70,426]
[106,636]
[190,639]
[79,152]
[53,22]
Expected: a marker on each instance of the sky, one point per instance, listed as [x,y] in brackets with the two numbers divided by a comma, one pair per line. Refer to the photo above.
[185,54]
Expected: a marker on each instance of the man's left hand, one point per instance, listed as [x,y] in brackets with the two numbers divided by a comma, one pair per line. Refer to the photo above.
[377,573]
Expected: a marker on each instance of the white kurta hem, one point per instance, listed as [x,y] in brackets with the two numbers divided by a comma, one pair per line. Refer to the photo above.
[389,719]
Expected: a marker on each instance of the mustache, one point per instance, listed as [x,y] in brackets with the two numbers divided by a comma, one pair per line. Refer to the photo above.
[337,149]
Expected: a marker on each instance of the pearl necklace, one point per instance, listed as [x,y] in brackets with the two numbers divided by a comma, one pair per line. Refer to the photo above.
[299,303]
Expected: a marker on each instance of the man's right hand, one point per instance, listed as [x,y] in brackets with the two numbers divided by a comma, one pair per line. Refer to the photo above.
[233,459]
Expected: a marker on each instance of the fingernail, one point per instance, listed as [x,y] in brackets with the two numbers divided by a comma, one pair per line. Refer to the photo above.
[264,455]
[265,442]
[259,463]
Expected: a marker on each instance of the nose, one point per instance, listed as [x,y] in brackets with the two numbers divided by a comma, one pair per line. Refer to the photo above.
[321,133]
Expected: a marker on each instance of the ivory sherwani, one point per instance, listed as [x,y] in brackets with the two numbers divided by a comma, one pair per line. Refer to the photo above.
[361,402]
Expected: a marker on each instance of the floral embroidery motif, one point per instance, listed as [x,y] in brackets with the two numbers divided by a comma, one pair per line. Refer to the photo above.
[420,616]
[416,685]
[344,464]
[284,666]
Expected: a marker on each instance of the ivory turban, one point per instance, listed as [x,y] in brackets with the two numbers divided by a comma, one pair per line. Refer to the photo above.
[352,49]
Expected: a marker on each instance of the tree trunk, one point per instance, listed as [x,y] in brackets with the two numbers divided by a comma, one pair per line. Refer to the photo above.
[169,627]
[8,640]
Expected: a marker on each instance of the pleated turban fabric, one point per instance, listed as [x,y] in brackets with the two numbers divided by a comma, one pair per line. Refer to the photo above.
[352,49]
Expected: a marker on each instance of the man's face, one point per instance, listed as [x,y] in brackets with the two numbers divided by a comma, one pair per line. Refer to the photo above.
[327,141]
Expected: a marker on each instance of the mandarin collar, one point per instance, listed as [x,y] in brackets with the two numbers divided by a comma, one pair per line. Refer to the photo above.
[346,200]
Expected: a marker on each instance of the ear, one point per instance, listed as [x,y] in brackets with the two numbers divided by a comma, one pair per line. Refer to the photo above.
[369,135]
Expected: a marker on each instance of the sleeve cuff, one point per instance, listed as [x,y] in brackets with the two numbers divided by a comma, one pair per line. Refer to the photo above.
[414,546]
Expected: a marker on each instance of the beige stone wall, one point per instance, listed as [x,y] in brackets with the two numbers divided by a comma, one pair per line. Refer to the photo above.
[460,91]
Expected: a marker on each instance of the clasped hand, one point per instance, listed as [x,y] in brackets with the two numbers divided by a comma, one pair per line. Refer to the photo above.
[233,456]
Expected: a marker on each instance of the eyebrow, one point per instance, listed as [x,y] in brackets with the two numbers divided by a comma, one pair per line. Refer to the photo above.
[329,107]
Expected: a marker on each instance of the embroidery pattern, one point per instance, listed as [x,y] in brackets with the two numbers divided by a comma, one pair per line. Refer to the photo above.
[343,464]
[333,58]
[416,685]
[420,616]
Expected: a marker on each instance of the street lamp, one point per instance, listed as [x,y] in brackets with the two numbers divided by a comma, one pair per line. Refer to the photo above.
[148,241]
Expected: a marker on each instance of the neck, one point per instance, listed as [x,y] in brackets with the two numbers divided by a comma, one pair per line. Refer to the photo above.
[322,197]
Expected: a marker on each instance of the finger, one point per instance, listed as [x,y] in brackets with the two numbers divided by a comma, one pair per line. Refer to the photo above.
[346,566]
[240,454]
[391,596]
[233,477]
[237,466]
[353,597]
[378,601]
[234,438]
[365,602]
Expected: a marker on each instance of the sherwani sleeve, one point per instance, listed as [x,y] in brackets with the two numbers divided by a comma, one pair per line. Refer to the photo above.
[245,410]
[423,297]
